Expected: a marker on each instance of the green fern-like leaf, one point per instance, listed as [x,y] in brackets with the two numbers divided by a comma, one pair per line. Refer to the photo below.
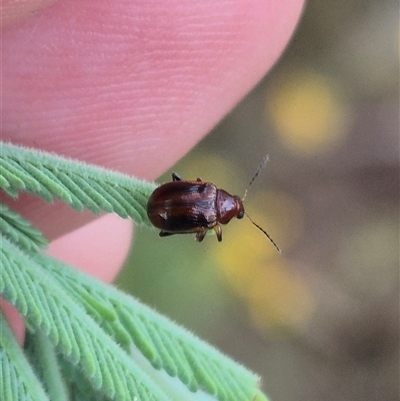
[17,379]
[163,343]
[19,231]
[43,358]
[78,184]
[74,334]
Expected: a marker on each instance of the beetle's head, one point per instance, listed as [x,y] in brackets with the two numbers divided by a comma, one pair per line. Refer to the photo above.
[228,207]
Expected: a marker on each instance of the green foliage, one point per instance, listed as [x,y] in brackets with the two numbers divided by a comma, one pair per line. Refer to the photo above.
[18,230]
[86,340]
[77,184]
[17,379]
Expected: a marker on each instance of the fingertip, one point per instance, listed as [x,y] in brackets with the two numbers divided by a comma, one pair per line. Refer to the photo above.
[14,11]
[98,248]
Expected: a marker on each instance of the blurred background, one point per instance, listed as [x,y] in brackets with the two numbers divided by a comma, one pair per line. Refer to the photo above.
[321,320]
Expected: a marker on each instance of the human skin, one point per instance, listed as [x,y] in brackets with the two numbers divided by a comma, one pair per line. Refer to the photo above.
[130,86]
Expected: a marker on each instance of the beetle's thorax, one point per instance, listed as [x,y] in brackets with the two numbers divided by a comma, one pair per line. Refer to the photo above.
[228,206]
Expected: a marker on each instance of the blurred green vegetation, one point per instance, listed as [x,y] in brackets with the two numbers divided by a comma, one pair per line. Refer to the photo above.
[320,321]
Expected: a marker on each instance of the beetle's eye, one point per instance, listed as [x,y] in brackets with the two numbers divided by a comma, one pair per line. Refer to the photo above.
[240,214]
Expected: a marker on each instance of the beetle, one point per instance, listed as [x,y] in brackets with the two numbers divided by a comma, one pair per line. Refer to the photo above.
[183,207]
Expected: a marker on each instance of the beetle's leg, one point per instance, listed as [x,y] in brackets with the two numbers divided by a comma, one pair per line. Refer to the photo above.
[201,234]
[218,231]
[176,177]
[165,234]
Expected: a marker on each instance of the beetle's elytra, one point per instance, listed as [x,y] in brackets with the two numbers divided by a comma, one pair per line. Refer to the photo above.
[182,207]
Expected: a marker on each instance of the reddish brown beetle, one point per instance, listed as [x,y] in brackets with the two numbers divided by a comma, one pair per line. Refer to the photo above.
[183,207]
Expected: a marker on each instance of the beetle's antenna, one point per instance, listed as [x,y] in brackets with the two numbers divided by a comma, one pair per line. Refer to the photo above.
[261,229]
[263,163]
[257,173]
